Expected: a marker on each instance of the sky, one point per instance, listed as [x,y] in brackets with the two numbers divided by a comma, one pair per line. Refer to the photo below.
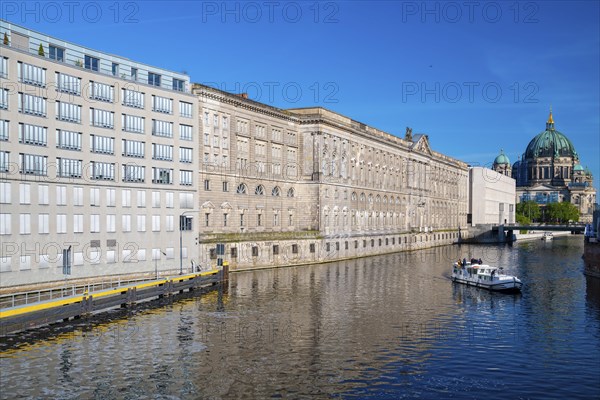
[476,76]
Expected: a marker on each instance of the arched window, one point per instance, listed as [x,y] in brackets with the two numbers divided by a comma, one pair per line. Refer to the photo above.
[276,192]
[291,193]
[242,189]
[260,190]
[353,196]
[362,198]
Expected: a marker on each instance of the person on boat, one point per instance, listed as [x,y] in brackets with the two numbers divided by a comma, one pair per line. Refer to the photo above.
[479,261]
[459,263]
[464,261]
[493,273]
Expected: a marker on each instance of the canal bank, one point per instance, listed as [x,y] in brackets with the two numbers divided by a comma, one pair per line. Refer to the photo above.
[383,326]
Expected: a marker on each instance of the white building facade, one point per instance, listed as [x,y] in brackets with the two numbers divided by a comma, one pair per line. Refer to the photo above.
[99,156]
[492,197]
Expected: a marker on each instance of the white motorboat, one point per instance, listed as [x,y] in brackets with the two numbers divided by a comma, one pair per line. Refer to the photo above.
[485,276]
[547,236]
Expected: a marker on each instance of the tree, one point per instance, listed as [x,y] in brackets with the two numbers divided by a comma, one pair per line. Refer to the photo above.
[41,51]
[522,220]
[528,209]
[561,212]
[5,39]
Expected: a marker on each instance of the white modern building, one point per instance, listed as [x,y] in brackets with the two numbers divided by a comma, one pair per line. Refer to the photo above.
[492,197]
[98,156]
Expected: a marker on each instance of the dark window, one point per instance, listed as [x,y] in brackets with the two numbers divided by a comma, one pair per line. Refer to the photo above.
[115,69]
[91,63]
[311,247]
[346,245]
[134,73]
[364,243]
[254,251]
[275,249]
[153,79]
[56,53]
[295,249]
[206,184]
[356,244]
[185,223]
[213,254]
[337,246]
[225,187]
[327,247]
[372,242]
[234,252]
[178,84]
[387,242]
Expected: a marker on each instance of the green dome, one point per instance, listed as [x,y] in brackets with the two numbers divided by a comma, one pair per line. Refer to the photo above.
[550,143]
[578,167]
[502,159]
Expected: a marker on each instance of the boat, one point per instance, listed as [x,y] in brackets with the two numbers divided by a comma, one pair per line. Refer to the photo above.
[486,277]
[547,236]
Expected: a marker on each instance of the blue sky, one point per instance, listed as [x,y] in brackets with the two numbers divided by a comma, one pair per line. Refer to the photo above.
[475,76]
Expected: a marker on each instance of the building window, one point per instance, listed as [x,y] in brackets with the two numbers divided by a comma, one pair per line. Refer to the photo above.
[91,63]
[162,104]
[103,171]
[185,223]
[162,152]
[179,85]
[31,74]
[241,189]
[294,249]
[134,74]
[259,219]
[162,175]
[233,251]
[132,148]
[68,112]
[153,79]
[291,192]
[260,190]
[225,187]
[311,247]
[206,219]
[185,132]
[134,173]
[185,109]
[225,220]
[28,104]
[206,184]
[102,144]
[31,164]
[56,53]
[101,91]
[133,98]
[185,177]
[33,134]
[115,69]
[102,118]
[254,251]
[241,219]
[68,84]
[275,249]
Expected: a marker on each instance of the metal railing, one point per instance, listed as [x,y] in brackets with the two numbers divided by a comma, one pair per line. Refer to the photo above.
[35,296]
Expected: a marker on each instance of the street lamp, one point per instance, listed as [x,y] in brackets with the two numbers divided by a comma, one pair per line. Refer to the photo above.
[156,263]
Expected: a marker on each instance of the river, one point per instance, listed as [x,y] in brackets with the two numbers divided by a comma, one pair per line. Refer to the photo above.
[391,326]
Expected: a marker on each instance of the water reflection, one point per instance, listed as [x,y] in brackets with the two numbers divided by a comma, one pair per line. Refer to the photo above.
[388,326]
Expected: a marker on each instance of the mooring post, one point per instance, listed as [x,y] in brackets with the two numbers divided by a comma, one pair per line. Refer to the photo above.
[225,271]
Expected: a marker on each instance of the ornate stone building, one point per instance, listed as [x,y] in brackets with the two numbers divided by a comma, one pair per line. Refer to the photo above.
[550,171]
[309,185]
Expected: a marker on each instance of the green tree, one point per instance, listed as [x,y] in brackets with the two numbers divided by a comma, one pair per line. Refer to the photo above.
[522,220]
[561,212]
[41,51]
[5,39]
[528,209]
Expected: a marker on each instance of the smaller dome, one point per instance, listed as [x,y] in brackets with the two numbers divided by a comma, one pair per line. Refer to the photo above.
[502,159]
[578,167]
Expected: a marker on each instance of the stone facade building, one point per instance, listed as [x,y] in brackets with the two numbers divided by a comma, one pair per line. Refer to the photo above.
[112,167]
[98,156]
[307,185]
[550,171]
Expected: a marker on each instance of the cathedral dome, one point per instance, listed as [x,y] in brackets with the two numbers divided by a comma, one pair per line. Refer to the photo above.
[550,143]
[501,159]
[578,167]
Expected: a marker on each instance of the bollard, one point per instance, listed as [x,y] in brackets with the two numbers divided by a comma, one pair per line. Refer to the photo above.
[225,271]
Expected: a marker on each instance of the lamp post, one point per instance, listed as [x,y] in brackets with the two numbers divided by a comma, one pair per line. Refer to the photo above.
[156,263]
